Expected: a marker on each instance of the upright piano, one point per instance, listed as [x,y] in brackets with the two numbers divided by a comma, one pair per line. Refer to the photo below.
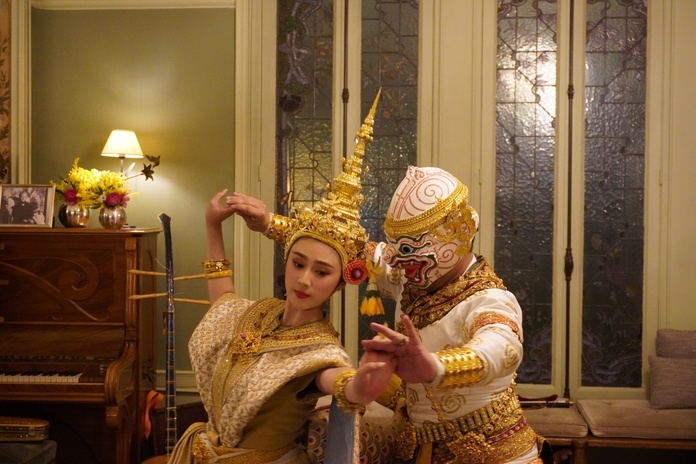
[73,348]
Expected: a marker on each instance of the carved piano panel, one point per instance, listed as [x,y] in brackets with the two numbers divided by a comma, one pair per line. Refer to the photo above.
[71,342]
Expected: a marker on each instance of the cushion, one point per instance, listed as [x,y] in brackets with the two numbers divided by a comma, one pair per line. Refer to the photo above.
[674,343]
[377,435]
[634,418]
[556,422]
[673,383]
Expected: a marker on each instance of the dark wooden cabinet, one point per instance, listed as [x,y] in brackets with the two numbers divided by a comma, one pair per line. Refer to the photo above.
[74,349]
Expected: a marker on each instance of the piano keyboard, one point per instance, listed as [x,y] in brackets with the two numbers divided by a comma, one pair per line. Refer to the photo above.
[40,377]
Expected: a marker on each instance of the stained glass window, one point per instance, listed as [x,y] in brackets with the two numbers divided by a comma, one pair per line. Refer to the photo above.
[304,84]
[304,91]
[525,157]
[614,188]
[390,61]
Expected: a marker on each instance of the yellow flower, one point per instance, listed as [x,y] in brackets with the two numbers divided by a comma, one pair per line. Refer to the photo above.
[111,189]
[372,301]
[94,188]
[77,187]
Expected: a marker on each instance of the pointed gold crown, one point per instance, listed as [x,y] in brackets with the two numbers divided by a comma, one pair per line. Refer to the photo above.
[335,219]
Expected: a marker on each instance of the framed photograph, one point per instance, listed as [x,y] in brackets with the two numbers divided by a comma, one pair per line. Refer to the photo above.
[26,205]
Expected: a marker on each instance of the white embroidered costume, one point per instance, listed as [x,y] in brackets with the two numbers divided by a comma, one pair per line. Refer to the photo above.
[472,321]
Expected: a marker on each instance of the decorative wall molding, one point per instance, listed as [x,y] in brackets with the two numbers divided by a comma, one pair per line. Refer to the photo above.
[129,4]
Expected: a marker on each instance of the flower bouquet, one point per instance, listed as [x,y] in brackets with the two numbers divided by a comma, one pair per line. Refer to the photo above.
[78,187]
[90,188]
[76,191]
[110,190]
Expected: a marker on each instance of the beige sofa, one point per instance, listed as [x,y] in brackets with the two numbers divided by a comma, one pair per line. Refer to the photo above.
[667,420]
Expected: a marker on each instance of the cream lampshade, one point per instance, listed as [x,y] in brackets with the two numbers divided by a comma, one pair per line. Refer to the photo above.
[122,144]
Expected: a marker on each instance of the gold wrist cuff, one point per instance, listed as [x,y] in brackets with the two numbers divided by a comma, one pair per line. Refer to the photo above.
[216,264]
[339,391]
[218,274]
[463,367]
[390,396]
[278,228]
[216,268]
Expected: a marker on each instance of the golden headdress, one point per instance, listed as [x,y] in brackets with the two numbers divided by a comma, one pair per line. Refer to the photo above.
[335,219]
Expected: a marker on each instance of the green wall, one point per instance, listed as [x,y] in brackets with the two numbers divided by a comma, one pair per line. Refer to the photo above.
[169,76]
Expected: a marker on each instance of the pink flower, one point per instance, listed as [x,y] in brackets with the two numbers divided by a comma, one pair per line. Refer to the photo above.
[70,196]
[113,199]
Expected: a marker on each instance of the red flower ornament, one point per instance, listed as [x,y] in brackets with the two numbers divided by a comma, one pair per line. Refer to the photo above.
[355,272]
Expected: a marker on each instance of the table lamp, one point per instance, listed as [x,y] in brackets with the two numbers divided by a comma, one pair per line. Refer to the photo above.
[122,144]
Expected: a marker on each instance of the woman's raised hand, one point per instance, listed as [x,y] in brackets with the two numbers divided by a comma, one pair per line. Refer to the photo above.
[216,212]
[252,210]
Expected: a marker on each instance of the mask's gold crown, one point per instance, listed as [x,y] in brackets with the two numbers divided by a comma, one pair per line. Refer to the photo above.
[335,219]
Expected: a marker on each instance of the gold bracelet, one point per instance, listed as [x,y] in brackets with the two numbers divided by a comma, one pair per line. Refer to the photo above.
[391,394]
[218,274]
[463,367]
[279,228]
[216,264]
[339,391]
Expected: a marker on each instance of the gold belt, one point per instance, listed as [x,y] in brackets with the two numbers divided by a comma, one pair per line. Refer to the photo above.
[497,417]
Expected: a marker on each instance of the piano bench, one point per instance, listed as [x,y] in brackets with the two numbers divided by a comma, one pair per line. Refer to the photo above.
[28,452]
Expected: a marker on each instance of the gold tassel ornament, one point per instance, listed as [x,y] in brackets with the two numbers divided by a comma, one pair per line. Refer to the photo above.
[372,301]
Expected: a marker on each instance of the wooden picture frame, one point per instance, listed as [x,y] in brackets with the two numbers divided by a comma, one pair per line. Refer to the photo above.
[26,205]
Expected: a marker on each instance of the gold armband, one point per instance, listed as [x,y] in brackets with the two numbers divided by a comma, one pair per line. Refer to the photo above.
[463,367]
[216,268]
[278,228]
[390,396]
[339,391]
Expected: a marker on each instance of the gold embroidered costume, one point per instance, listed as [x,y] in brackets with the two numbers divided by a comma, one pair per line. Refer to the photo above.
[260,391]
[480,421]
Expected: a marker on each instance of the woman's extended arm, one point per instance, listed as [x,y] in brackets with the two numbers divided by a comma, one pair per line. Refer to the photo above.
[364,384]
[414,362]
[254,213]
